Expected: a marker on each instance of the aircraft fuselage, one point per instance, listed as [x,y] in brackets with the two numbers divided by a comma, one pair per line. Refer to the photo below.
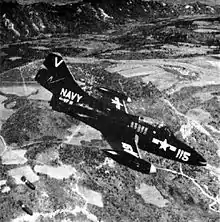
[108,120]
[125,133]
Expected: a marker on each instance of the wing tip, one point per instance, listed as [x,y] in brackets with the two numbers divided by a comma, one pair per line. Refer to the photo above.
[129,100]
[56,54]
[153,169]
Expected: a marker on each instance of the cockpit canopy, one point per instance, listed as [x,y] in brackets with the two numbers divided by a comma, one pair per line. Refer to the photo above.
[142,119]
[148,120]
[155,123]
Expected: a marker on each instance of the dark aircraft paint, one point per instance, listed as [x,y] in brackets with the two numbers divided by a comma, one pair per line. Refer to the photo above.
[111,93]
[111,120]
[170,147]
[69,97]
[130,161]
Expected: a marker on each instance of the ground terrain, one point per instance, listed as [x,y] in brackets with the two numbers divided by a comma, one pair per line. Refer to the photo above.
[171,70]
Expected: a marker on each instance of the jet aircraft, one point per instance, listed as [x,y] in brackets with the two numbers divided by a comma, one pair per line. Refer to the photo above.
[125,133]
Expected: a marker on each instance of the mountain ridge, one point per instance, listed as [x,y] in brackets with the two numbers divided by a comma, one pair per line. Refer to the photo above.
[21,22]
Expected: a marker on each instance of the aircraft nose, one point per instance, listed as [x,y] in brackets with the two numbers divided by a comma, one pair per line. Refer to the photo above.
[187,154]
[202,161]
[199,160]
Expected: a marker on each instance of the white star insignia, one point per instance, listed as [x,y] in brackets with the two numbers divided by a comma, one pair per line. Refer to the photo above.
[117,103]
[163,144]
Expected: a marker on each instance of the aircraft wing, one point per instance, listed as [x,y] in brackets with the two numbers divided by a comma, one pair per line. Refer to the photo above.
[126,153]
[127,145]
[115,99]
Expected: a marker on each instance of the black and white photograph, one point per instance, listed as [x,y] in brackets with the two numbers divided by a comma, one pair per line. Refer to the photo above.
[110,111]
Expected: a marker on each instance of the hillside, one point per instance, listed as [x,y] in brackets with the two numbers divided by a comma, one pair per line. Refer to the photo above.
[20,22]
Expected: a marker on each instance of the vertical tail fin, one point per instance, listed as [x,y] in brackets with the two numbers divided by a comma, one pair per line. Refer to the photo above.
[55,75]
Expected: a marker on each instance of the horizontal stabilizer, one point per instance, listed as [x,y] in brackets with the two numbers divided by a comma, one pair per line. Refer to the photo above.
[113,93]
[114,99]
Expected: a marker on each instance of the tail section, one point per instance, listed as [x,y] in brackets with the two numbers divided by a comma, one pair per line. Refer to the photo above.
[56,77]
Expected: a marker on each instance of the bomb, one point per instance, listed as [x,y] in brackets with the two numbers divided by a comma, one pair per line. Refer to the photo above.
[28,183]
[25,208]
